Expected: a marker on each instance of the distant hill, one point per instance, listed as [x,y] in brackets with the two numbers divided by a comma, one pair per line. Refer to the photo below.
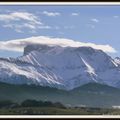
[92,94]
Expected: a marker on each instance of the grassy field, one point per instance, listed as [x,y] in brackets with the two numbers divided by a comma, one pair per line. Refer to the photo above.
[58,111]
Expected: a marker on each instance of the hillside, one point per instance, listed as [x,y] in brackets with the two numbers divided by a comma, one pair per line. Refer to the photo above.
[92,94]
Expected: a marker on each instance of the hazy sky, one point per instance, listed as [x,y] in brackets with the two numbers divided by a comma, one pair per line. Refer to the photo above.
[88,24]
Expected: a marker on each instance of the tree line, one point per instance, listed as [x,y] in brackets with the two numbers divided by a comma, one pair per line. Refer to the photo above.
[30,103]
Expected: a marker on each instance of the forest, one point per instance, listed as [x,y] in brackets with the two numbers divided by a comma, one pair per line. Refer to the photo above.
[38,107]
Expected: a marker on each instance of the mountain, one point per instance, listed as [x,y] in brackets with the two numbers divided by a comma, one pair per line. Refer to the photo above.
[60,67]
[91,94]
[117,60]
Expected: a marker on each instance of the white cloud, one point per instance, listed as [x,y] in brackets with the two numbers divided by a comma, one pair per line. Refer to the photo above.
[45,27]
[75,14]
[19,44]
[116,16]
[95,20]
[17,16]
[51,13]
[20,20]
[29,26]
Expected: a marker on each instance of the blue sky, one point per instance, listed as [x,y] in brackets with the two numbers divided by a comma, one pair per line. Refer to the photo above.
[93,24]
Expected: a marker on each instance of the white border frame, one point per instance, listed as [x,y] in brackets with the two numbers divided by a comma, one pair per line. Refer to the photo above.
[67,4]
[61,3]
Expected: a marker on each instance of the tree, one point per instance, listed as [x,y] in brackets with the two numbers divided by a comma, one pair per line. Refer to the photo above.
[30,103]
[7,103]
[59,105]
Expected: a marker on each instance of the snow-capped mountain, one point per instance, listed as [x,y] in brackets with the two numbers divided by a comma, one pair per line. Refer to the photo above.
[60,67]
[117,60]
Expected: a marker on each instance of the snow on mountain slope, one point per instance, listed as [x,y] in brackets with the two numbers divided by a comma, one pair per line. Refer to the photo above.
[117,61]
[61,67]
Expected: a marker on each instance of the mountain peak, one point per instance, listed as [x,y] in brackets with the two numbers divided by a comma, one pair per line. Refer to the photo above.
[44,48]
[36,47]
[60,67]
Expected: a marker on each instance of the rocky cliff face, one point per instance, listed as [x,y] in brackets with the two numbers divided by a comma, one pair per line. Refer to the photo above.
[60,67]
